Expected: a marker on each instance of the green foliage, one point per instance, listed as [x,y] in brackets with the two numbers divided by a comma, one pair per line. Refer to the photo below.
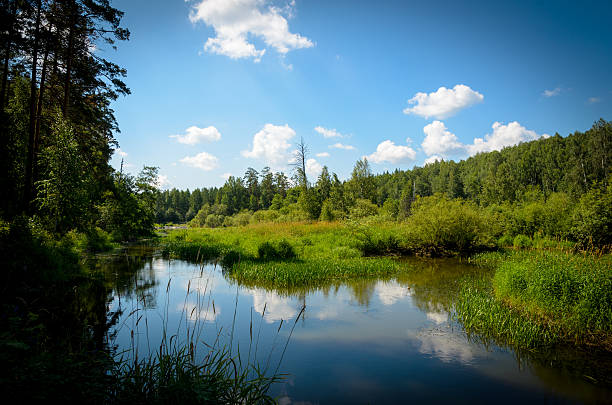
[592,217]
[480,312]
[310,203]
[63,194]
[312,272]
[521,241]
[214,220]
[572,290]
[363,208]
[439,226]
[390,208]
[128,211]
[281,250]
[540,299]
[327,213]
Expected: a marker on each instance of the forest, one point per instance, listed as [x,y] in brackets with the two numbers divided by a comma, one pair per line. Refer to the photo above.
[558,187]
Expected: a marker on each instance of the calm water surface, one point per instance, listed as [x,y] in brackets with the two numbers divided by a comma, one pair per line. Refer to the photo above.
[379,341]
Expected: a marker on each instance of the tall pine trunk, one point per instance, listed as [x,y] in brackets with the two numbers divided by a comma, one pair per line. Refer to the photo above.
[28,192]
[69,57]
[7,57]
[39,108]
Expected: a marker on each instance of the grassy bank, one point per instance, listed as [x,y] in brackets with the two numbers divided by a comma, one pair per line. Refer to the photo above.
[540,298]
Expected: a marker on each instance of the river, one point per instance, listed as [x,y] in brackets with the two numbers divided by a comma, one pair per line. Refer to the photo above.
[374,341]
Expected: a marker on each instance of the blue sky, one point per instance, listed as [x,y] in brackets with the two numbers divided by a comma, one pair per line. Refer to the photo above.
[222,85]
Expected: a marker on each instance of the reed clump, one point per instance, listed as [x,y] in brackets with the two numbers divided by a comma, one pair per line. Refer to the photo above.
[541,298]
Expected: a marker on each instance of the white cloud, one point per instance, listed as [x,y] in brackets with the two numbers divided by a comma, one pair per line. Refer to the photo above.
[444,102]
[197,313]
[342,146]
[322,154]
[502,136]
[593,100]
[329,133]
[163,181]
[203,160]
[440,141]
[225,176]
[433,159]
[551,93]
[194,135]
[438,317]
[271,144]
[313,168]
[120,152]
[387,151]
[237,21]
[276,307]
[390,292]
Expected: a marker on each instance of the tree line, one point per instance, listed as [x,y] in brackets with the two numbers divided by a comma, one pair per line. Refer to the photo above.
[557,168]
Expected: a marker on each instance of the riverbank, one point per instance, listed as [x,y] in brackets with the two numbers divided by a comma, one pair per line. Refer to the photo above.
[534,298]
[541,298]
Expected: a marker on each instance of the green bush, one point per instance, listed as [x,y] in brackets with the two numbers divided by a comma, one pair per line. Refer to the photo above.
[281,250]
[363,208]
[521,241]
[439,225]
[592,218]
[505,241]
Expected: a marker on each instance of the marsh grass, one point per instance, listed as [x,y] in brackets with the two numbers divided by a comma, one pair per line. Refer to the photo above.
[314,272]
[541,298]
[190,366]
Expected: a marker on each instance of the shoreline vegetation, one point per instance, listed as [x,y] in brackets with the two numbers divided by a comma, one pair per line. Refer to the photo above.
[547,294]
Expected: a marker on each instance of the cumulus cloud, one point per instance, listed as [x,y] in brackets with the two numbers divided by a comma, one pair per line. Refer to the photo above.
[194,135]
[390,292]
[313,168]
[388,151]
[551,93]
[433,159]
[203,160]
[342,146]
[329,133]
[276,307]
[440,141]
[236,22]
[163,181]
[444,102]
[225,176]
[322,154]
[502,136]
[120,152]
[272,144]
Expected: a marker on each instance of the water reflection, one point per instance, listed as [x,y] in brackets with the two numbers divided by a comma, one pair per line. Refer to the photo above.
[381,340]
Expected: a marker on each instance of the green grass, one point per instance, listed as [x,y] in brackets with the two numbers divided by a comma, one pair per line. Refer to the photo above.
[315,272]
[482,314]
[290,255]
[541,298]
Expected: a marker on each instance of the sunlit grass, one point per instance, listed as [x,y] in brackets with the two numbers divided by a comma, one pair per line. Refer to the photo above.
[541,298]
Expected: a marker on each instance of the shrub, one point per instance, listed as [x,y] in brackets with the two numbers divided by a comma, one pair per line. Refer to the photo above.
[214,220]
[592,218]
[279,251]
[363,208]
[439,225]
[521,241]
[505,240]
